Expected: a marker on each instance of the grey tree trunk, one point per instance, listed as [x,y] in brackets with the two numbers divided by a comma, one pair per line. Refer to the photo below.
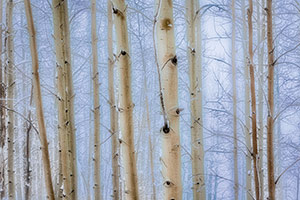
[10,101]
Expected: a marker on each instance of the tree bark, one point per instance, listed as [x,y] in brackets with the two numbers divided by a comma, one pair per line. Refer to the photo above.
[66,99]
[2,112]
[253,102]
[113,112]
[10,97]
[195,75]
[126,104]
[27,155]
[167,62]
[96,112]
[270,122]
[247,107]
[234,98]
[38,101]
[261,52]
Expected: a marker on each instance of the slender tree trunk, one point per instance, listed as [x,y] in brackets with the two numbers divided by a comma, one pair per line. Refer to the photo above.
[27,126]
[27,153]
[38,101]
[10,99]
[195,73]
[261,50]
[2,112]
[66,99]
[253,102]
[270,123]
[247,108]
[234,97]
[126,104]
[95,78]
[167,63]
[113,111]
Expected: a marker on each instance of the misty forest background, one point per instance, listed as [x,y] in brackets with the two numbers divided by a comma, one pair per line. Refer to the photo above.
[225,176]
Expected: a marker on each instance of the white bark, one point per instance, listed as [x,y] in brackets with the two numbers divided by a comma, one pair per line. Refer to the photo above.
[167,61]
[96,110]
[125,97]
[195,73]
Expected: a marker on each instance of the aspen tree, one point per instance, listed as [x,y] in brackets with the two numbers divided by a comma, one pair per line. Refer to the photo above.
[10,101]
[253,102]
[27,155]
[270,121]
[167,64]
[247,106]
[195,73]
[234,98]
[261,52]
[125,98]
[96,111]
[113,112]
[66,99]
[27,125]
[2,112]
[38,101]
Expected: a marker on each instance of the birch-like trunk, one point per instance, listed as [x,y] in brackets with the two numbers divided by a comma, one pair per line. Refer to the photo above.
[195,76]
[10,100]
[125,98]
[96,110]
[253,102]
[113,112]
[27,154]
[234,99]
[261,53]
[270,123]
[38,101]
[167,62]
[2,112]
[66,99]
[247,107]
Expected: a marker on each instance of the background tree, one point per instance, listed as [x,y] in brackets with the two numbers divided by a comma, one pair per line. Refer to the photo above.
[10,96]
[65,99]
[96,109]
[195,75]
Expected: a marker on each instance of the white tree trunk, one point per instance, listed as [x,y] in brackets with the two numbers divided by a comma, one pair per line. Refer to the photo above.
[167,62]
[113,112]
[261,52]
[195,73]
[126,105]
[247,107]
[96,110]
[2,112]
[10,97]
[234,98]
[66,99]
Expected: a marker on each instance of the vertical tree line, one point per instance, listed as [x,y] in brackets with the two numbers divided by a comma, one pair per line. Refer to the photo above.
[181,103]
